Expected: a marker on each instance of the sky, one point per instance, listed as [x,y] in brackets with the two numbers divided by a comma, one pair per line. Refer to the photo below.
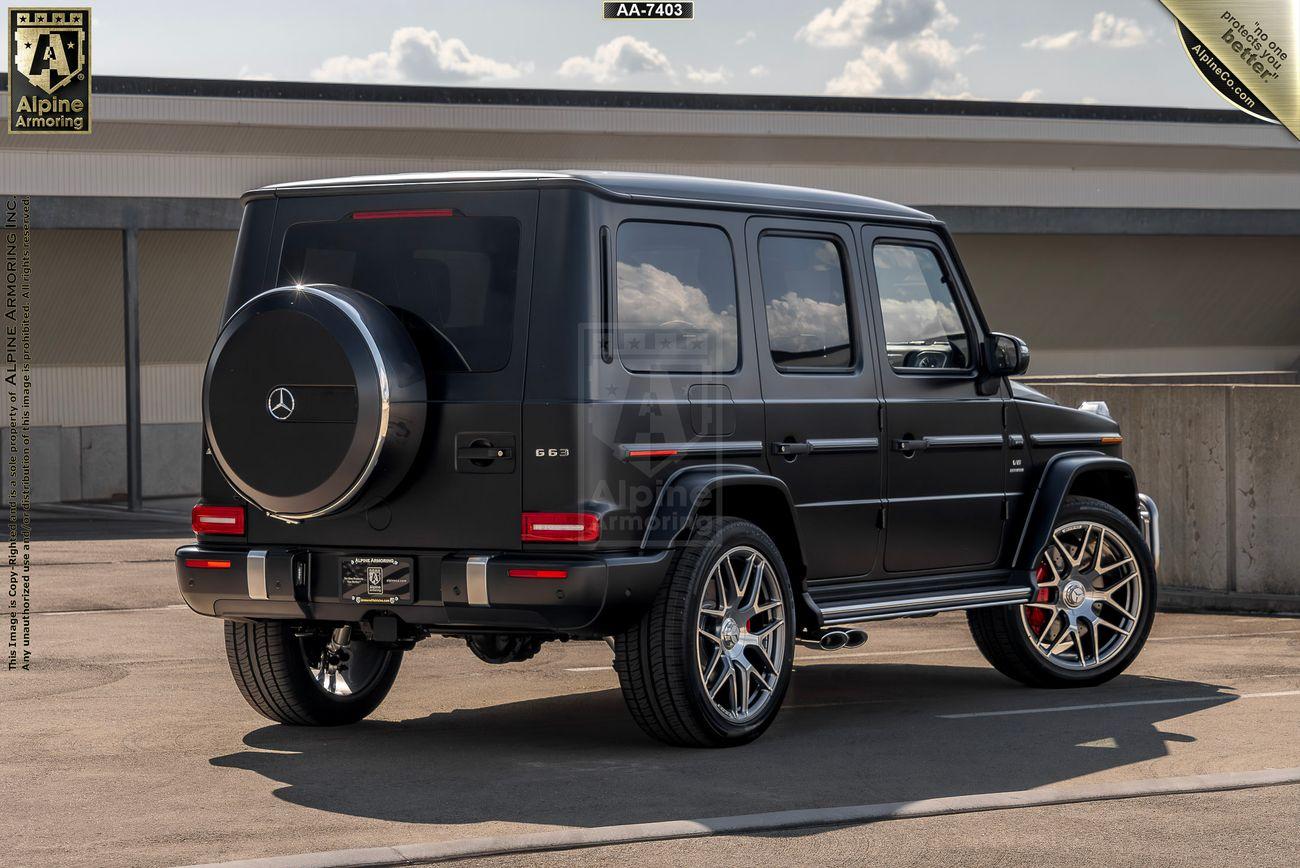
[1122,52]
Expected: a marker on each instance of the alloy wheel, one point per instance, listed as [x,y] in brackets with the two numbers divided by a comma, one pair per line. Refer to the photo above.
[740,642]
[1089,597]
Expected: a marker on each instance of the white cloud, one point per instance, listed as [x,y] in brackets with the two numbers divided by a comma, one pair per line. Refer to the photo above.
[1058,42]
[748,36]
[708,76]
[248,74]
[924,65]
[759,71]
[1115,32]
[853,20]
[1090,100]
[418,55]
[651,298]
[1030,95]
[1108,30]
[622,55]
[797,323]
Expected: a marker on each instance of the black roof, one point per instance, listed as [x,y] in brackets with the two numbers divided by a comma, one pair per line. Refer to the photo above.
[635,186]
[511,96]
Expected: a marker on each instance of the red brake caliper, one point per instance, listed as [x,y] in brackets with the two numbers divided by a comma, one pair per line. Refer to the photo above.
[1037,618]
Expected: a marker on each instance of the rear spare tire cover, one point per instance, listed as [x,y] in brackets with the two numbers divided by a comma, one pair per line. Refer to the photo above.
[313,401]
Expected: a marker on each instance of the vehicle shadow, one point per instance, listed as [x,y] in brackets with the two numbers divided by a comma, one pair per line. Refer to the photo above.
[849,734]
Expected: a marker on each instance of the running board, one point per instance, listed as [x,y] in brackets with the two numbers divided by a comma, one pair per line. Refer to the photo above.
[854,611]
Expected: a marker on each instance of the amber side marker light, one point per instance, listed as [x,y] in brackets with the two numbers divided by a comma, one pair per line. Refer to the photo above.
[402,214]
[1111,440]
[200,564]
[538,574]
[217,519]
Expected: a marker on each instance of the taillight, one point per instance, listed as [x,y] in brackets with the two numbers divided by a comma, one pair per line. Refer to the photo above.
[519,573]
[205,564]
[560,527]
[402,214]
[217,519]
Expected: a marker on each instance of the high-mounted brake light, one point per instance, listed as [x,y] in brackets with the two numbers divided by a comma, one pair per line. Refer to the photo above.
[538,574]
[217,519]
[203,564]
[402,214]
[560,527]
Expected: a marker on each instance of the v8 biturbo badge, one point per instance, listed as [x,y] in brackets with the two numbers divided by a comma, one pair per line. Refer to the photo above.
[49,71]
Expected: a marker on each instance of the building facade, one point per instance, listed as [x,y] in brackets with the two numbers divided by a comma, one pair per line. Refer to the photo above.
[1113,239]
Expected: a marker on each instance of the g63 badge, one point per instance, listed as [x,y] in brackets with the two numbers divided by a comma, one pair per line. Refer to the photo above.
[49,71]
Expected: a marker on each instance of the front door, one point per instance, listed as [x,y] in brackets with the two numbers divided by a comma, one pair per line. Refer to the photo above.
[819,388]
[945,441]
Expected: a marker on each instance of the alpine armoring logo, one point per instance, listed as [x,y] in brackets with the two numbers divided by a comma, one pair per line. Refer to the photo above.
[49,70]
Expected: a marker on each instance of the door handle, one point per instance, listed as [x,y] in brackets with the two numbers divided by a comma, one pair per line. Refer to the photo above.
[484,453]
[789,449]
[918,445]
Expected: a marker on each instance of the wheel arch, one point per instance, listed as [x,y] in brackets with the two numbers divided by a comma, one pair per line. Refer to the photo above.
[738,491]
[1087,474]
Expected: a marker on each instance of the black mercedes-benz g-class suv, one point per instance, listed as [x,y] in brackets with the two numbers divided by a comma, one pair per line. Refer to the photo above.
[702,419]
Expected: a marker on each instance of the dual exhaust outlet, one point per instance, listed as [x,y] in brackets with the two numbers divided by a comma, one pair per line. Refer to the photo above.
[837,640]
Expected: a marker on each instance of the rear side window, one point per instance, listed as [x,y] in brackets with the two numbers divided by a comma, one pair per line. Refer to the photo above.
[807,315]
[676,299]
[453,277]
[923,325]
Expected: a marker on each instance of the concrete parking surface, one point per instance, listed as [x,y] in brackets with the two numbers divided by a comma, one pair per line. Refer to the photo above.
[130,744]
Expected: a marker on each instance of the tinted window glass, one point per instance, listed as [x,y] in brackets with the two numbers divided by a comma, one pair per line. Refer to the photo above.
[454,278]
[807,317]
[923,326]
[676,298]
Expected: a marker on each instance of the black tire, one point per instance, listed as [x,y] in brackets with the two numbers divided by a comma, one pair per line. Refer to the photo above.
[1000,634]
[655,659]
[270,667]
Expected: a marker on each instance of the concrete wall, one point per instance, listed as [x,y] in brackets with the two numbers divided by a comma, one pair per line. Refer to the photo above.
[1223,463]
[88,463]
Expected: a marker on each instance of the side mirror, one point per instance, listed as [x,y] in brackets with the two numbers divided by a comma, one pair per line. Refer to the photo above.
[1007,356]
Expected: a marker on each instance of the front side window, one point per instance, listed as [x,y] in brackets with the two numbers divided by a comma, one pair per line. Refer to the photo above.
[804,290]
[676,299]
[923,325]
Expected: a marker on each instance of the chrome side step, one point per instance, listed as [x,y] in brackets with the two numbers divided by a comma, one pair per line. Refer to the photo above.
[851,612]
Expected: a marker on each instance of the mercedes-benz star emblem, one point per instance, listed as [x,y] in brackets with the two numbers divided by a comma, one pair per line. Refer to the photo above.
[280,403]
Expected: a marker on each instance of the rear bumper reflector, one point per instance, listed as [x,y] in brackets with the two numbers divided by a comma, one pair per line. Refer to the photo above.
[202,564]
[537,574]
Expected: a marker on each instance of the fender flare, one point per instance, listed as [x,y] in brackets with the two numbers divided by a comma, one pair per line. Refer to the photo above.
[1055,483]
[682,494]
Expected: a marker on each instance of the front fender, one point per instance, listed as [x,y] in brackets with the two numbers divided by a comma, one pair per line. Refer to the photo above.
[1059,477]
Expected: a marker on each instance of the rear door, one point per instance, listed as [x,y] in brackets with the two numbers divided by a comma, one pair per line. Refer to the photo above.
[819,388]
[456,266]
[945,441]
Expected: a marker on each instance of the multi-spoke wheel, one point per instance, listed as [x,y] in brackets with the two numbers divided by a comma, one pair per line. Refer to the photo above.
[1092,610]
[741,641]
[310,679]
[709,664]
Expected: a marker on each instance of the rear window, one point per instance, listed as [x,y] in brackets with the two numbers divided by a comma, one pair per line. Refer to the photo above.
[451,277]
[676,298]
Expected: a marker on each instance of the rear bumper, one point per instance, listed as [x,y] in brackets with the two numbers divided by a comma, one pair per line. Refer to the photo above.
[454,592]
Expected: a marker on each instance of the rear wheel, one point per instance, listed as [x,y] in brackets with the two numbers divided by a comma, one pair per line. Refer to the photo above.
[710,662]
[309,680]
[1093,608]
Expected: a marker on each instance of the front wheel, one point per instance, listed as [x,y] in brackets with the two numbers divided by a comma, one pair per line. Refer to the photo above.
[709,663]
[308,678]
[1093,609]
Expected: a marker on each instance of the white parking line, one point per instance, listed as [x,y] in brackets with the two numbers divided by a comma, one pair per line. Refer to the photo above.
[1090,706]
[113,611]
[672,830]
[1219,636]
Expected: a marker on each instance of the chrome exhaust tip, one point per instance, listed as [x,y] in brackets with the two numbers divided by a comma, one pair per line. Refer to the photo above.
[833,640]
[857,638]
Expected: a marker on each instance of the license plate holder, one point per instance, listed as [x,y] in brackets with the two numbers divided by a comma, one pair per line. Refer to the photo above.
[377,579]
